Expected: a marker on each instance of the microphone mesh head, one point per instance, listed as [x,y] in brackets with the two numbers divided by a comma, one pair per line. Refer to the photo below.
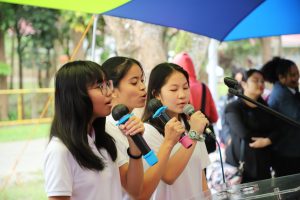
[188,109]
[119,111]
[154,104]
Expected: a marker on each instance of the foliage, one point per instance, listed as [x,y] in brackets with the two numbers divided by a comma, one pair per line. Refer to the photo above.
[5,69]
[43,22]
[183,42]
[24,132]
[6,16]
[237,53]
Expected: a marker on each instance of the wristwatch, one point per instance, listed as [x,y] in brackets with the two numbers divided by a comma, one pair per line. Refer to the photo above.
[195,136]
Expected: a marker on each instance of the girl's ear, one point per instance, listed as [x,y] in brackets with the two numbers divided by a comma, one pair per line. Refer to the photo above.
[115,93]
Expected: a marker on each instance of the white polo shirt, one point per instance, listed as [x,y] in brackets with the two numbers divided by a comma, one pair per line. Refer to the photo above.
[189,184]
[64,176]
[121,143]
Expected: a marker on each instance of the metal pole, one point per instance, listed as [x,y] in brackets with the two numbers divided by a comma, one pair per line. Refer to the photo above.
[96,17]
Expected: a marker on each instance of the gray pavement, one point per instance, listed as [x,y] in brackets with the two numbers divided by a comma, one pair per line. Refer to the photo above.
[29,157]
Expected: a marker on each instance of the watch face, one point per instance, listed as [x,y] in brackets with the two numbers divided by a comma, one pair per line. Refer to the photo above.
[192,133]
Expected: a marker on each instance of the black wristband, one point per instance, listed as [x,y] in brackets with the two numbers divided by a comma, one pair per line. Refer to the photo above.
[132,156]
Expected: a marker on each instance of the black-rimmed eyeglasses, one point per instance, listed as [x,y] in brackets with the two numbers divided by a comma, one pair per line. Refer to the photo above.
[104,86]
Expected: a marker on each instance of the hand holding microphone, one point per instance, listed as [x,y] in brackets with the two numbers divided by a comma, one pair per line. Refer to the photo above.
[158,110]
[121,114]
[173,131]
[198,121]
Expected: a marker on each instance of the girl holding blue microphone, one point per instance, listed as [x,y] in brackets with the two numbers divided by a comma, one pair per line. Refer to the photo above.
[127,76]
[184,176]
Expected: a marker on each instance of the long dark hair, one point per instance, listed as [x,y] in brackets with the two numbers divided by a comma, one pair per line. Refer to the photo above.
[158,78]
[117,67]
[74,110]
[275,67]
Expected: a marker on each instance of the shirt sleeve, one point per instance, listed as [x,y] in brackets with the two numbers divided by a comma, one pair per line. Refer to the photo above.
[121,158]
[153,138]
[57,170]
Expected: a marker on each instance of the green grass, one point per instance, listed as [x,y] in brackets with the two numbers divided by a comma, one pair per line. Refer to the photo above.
[24,132]
[29,190]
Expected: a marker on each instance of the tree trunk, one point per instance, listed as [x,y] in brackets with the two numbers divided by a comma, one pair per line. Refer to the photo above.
[141,41]
[3,81]
[267,50]
[12,61]
[20,58]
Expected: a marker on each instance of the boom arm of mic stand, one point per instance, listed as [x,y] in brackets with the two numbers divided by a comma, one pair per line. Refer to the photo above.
[267,109]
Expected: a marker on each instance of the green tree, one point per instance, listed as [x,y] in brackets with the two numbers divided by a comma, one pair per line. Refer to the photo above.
[44,24]
[5,21]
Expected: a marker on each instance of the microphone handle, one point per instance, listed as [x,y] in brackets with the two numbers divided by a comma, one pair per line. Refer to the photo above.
[141,143]
[210,133]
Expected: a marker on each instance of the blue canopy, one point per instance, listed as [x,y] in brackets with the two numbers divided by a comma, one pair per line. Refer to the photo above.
[223,20]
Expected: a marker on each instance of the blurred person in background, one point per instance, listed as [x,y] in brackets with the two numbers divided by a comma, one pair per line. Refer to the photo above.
[285,98]
[251,127]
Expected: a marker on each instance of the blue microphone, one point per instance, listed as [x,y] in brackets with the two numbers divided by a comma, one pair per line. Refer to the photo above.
[121,114]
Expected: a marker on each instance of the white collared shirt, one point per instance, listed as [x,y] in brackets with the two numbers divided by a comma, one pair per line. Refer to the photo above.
[65,177]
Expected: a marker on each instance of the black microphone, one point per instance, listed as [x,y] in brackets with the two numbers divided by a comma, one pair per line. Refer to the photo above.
[121,114]
[158,110]
[231,83]
[190,110]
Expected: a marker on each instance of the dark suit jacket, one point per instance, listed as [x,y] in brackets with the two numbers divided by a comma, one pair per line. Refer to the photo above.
[246,122]
[284,101]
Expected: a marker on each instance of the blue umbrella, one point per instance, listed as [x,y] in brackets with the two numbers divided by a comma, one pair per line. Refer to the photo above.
[224,20]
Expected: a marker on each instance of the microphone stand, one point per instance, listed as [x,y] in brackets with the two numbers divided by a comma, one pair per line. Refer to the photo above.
[265,108]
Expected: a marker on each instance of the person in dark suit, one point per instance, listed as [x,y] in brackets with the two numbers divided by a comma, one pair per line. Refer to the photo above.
[254,126]
[284,98]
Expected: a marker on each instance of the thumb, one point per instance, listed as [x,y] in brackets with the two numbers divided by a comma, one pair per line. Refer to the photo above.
[252,144]
[122,127]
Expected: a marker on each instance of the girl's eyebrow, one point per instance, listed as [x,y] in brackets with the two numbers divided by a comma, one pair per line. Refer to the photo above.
[175,84]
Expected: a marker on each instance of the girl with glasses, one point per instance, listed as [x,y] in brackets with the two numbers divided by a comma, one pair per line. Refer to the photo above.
[81,160]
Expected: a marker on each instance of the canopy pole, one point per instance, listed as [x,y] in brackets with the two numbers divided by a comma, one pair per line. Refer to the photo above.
[211,67]
[96,17]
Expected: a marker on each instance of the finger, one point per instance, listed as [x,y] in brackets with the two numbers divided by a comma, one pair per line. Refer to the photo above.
[255,138]
[135,129]
[122,127]
[132,123]
[252,144]
[173,120]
